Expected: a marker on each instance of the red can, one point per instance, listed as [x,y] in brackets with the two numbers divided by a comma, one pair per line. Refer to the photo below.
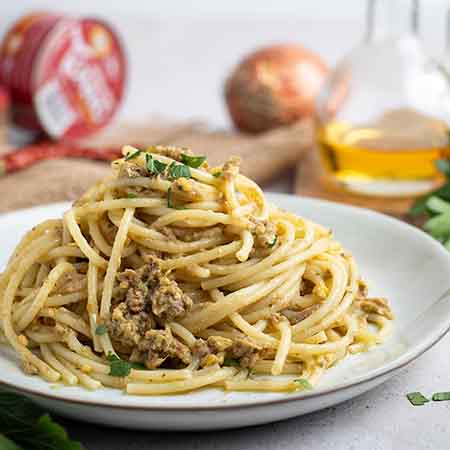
[66,76]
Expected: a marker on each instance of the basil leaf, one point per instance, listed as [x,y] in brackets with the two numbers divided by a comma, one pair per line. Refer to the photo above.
[132,155]
[101,330]
[417,398]
[192,161]
[217,174]
[169,201]
[132,195]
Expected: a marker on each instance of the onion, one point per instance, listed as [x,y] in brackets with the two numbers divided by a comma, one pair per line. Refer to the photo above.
[274,86]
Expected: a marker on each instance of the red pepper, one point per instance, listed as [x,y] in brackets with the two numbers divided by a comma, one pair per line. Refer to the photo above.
[28,156]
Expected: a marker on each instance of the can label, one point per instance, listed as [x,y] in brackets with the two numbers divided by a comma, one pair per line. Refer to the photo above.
[69,72]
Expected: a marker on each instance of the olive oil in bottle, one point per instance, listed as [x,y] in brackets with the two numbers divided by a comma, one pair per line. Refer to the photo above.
[392,156]
[384,113]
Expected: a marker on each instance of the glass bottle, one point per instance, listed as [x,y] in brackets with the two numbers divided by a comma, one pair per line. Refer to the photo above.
[384,112]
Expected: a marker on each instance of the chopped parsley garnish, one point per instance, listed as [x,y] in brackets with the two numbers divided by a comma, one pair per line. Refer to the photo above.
[275,239]
[192,161]
[118,367]
[303,383]
[132,155]
[101,330]
[131,195]
[417,398]
[160,167]
[217,174]
[154,166]
[170,202]
[229,362]
[441,396]
[179,171]
[25,426]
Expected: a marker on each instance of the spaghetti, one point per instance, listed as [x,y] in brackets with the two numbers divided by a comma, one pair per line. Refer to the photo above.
[169,276]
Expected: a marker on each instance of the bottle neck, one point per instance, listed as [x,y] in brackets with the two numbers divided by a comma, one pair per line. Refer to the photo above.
[391,19]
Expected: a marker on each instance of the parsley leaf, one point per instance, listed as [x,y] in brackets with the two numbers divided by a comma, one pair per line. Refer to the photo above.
[271,244]
[441,396]
[160,167]
[6,444]
[23,425]
[192,161]
[101,330]
[154,166]
[230,362]
[131,195]
[420,206]
[132,155]
[169,201]
[303,383]
[179,171]
[118,367]
[417,398]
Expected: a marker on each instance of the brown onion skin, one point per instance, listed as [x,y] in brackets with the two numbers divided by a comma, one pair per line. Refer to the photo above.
[274,86]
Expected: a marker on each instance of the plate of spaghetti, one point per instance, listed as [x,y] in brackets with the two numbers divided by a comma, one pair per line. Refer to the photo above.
[175,295]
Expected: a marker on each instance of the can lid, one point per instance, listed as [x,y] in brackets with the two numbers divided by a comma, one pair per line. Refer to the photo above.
[78,78]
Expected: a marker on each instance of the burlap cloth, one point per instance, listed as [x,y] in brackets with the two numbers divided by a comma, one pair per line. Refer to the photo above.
[264,157]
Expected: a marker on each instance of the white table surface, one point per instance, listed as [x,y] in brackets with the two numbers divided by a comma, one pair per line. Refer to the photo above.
[177,70]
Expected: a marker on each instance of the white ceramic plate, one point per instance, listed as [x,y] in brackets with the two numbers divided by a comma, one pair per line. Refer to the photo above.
[400,262]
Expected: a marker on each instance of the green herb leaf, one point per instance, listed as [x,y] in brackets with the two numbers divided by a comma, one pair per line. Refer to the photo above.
[417,398]
[132,195]
[160,167]
[169,201]
[25,425]
[437,205]
[303,383]
[229,362]
[50,435]
[149,163]
[118,367]
[132,155]
[101,330]
[192,161]
[217,174]
[6,444]
[441,396]
[438,226]
[179,171]
[154,166]
[275,239]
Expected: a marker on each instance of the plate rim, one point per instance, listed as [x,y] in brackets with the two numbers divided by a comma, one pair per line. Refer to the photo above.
[389,369]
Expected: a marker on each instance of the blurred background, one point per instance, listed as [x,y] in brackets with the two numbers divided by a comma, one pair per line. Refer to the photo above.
[347,101]
[180,52]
